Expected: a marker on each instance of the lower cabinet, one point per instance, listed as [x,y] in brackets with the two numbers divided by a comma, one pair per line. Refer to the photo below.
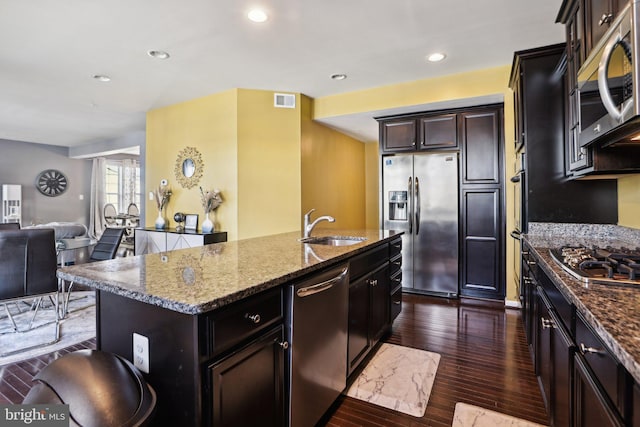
[581,381]
[247,387]
[590,406]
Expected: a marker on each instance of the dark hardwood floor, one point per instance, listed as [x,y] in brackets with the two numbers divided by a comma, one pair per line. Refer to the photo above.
[484,361]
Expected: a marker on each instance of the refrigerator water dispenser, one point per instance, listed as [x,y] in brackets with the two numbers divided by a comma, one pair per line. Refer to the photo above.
[397,205]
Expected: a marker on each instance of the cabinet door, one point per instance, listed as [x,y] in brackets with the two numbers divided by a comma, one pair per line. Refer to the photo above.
[183,241]
[562,348]
[481,140]
[598,16]
[398,135]
[591,408]
[379,292]
[247,387]
[543,361]
[358,321]
[438,131]
[518,112]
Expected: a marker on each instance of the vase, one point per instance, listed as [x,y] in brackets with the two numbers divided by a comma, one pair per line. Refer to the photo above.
[160,221]
[207,224]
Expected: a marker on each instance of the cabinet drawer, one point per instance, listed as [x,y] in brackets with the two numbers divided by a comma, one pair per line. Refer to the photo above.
[396,303]
[608,372]
[395,265]
[395,247]
[558,301]
[368,261]
[396,281]
[244,319]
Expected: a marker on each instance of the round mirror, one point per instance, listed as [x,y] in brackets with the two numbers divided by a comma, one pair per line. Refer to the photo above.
[188,168]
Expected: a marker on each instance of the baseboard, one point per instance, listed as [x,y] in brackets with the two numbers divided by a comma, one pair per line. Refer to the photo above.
[512,304]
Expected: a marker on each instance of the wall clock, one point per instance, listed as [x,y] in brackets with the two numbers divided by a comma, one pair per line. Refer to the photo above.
[51,182]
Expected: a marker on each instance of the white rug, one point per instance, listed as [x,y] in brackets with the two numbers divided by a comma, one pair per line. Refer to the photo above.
[80,325]
[473,416]
[397,378]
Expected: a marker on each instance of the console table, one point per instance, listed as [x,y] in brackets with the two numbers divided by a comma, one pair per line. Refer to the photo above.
[151,240]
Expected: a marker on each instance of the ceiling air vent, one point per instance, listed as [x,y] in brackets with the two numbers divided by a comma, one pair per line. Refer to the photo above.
[284,100]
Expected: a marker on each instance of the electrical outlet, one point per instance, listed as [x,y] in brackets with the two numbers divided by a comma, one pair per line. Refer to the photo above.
[141,352]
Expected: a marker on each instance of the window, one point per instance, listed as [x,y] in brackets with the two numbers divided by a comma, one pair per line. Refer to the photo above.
[122,184]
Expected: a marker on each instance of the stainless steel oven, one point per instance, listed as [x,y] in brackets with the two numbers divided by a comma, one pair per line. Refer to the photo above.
[607,81]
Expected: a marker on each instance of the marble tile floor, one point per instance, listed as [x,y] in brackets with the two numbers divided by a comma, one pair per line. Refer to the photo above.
[466,415]
[398,378]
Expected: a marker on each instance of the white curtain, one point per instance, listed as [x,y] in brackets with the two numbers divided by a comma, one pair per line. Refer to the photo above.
[96,217]
[129,177]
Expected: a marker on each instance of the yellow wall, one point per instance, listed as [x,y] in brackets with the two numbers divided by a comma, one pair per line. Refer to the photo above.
[333,173]
[493,81]
[372,184]
[210,125]
[629,201]
[269,182]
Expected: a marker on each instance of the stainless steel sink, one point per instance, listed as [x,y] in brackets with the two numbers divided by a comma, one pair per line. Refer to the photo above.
[333,240]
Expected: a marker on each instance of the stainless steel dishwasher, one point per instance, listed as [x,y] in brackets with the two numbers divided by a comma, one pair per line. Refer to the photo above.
[317,325]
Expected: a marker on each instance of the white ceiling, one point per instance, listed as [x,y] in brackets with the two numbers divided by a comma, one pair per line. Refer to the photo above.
[50,50]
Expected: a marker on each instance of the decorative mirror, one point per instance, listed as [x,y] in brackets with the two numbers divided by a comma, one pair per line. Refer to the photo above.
[189,167]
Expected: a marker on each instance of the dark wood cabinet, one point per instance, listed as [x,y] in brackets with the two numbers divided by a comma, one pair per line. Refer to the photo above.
[549,196]
[418,132]
[543,356]
[590,406]
[398,135]
[247,387]
[482,203]
[379,294]
[369,301]
[438,131]
[598,16]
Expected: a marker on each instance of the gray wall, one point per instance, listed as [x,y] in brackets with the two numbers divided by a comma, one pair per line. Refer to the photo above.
[21,162]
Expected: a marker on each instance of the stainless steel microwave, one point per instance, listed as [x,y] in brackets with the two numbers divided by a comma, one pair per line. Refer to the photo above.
[608,80]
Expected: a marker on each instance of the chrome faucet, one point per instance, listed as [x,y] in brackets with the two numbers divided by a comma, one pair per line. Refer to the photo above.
[308,228]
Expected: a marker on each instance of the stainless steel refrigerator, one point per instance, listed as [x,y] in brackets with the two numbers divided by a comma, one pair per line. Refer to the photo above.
[420,197]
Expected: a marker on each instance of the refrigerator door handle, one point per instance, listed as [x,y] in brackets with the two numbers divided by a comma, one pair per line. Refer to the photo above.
[417,205]
[410,198]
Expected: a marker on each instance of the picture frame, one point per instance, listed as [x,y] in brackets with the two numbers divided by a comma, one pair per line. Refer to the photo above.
[191,222]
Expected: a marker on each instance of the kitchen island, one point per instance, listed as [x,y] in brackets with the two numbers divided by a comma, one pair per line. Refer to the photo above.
[585,338]
[207,324]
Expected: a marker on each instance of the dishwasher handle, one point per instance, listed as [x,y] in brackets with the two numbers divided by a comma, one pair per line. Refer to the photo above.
[322,286]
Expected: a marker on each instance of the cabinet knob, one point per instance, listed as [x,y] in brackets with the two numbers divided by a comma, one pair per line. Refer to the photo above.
[397,302]
[584,349]
[605,19]
[255,318]
[284,344]
[413,143]
[373,282]
[531,262]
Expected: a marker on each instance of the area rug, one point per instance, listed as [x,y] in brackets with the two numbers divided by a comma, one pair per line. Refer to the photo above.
[473,416]
[78,326]
[397,378]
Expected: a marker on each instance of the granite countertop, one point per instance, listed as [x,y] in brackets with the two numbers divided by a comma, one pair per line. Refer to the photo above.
[201,279]
[612,311]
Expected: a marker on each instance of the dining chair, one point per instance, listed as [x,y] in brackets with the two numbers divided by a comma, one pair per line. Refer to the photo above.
[105,249]
[110,212]
[28,265]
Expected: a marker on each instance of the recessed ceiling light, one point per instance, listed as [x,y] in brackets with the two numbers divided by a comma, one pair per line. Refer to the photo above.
[160,54]
[102,78]
[436,57]
[257,15]
[338,76]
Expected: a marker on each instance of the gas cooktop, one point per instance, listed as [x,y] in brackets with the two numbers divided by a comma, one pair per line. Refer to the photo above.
[619,266]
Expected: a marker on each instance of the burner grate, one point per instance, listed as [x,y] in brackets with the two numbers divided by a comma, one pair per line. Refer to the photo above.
[602,265]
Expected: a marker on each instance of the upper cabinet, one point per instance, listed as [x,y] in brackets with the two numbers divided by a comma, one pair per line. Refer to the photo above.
[418,133]
[598,16]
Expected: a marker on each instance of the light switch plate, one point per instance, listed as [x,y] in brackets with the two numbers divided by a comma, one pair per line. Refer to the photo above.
[141,352]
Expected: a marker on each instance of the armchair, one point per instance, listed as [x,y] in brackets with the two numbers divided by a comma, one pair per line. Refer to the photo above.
[28,264]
